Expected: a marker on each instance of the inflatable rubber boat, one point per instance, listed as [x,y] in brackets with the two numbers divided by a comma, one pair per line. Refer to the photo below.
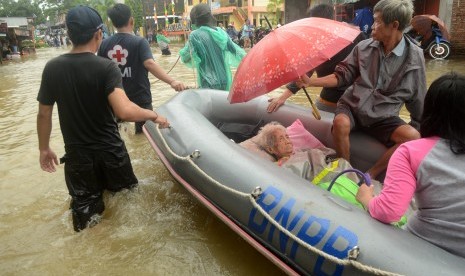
[298,226]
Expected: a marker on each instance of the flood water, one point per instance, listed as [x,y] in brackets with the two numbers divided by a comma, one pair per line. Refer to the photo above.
[158,229]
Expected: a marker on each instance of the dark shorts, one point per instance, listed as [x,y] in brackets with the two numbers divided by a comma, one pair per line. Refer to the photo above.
[88,174]
[138,125]
[381,130]
[166,52]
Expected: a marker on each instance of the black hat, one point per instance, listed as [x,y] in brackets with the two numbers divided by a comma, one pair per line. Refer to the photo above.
[201,15]
[83,20]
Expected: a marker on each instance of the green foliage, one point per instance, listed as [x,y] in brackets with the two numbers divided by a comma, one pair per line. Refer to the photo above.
[102,6]
[27,43]
[274,10]
[41,9]
[40,43]
[22,8]
[55,8]
[136,7]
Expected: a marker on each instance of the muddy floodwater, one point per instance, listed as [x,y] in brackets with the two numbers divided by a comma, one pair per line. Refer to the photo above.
[158,229]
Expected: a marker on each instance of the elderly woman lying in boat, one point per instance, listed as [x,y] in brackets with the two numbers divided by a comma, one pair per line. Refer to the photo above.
[310,160]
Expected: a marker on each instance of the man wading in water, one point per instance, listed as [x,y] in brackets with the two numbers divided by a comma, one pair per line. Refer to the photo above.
[89,94]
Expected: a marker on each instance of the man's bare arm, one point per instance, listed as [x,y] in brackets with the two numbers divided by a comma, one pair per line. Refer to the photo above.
[129,111]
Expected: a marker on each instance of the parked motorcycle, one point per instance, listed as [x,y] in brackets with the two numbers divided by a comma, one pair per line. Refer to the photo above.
[438,48]
[431,35]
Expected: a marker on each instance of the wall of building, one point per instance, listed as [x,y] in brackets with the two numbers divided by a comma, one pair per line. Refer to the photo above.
[445,12]
[427,6]
[261,2]
[295,9]
[457,30]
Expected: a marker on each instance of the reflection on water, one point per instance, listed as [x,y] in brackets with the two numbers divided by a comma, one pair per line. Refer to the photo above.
[157,229]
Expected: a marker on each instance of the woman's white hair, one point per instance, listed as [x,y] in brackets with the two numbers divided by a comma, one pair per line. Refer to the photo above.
[266,138]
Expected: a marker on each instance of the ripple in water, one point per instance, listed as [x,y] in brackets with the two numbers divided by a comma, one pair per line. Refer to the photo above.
[155,229]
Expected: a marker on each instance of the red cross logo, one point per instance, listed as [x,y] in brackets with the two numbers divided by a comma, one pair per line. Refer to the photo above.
[118,55]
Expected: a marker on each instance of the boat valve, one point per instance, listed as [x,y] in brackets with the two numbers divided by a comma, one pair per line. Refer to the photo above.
[257,192]
[353,253]
[195,154]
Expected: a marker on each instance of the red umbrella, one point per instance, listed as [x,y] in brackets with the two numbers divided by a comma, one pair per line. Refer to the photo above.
[287,53]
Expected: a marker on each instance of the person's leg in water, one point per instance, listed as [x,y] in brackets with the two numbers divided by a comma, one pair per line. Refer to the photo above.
[88,175]
[117,171]
[166,51]
[246,42]
[87,212]
[84,188]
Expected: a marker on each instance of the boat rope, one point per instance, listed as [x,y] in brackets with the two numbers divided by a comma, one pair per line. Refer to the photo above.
[172,67]
[350,260]
[186,40]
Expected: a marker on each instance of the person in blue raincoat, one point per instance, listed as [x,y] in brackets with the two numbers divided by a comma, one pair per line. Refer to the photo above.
[210,50]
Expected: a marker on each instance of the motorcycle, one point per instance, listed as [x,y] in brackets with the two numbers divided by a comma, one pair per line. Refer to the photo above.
[430,33]
[438,48]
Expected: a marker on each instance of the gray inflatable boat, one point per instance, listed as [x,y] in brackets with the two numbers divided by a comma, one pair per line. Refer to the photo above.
[301,228]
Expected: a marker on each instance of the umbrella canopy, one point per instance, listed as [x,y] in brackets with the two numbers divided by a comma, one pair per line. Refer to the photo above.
[422,24]
[287,53]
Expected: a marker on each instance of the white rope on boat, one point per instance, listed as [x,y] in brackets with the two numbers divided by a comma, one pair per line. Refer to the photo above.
[252,197]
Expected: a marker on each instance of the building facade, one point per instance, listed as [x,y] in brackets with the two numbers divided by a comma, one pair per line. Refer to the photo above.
[452,12]
[457,29]
[14,30]
[235,12]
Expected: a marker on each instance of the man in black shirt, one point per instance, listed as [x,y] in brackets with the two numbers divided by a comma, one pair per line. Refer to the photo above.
[89,94]
[134,57]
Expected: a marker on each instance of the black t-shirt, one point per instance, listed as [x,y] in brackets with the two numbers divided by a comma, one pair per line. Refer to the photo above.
[330,94]
[80,85]
[129,52]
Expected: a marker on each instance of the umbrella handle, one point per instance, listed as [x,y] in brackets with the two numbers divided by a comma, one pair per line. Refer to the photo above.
[316,112]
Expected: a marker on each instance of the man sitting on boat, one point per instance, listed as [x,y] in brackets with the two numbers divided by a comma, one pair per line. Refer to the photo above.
[384,73]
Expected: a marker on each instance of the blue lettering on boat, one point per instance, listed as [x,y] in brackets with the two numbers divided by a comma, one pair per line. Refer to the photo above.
[271,199]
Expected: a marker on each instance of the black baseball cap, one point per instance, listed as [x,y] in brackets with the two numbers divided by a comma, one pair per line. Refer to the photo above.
[83,20]
[201,15]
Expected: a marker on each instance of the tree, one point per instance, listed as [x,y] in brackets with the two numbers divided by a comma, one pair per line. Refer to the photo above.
[102,6]
[136,7]
[274,9]
[22,8]
[53,8]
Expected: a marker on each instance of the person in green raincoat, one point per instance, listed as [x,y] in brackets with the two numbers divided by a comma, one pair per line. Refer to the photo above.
[210,51]
[163,43]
